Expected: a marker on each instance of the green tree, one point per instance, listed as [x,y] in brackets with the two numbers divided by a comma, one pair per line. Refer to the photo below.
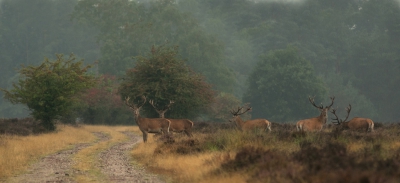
[163,76]
[280,85]
[49,89]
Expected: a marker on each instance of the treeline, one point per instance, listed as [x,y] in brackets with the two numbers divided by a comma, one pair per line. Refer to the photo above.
[273,55]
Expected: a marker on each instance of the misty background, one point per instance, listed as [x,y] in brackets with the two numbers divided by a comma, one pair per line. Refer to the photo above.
[351,46]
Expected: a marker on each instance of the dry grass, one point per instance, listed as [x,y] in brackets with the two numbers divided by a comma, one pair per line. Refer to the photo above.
[17,152]
[284,155]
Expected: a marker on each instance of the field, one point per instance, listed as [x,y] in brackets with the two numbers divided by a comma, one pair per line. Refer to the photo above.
[220,153]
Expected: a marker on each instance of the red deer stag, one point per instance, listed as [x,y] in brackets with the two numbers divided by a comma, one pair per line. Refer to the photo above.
[148,125]
[249,124]
[355,123]
[177,125]
[315,124]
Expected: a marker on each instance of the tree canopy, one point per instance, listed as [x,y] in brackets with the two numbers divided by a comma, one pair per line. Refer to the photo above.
[163,76]
[280,85]
[49,89]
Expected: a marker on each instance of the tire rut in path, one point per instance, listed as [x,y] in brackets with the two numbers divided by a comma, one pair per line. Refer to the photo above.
[115,163]
[56,167]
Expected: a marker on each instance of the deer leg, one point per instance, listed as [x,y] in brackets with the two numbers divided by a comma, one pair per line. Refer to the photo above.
[298,127]
[144,136]
[187,132]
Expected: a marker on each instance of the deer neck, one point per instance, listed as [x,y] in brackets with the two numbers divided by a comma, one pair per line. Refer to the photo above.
[323,117]
[137,116]
[345,124]
[161,114]
[239,121]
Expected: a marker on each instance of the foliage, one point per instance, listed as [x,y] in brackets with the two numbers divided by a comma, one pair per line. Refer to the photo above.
[30,30]
[223,104]
[129,28]
[280,85]
[163,76]
[102,104]
[346,94]
[49,90]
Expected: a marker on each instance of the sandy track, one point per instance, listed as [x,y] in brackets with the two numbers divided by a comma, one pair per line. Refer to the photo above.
[113,162]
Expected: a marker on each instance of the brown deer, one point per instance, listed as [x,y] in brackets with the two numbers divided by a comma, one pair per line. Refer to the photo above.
[177,125]
[355,123]
[249,124]
[316,123]
[148,125]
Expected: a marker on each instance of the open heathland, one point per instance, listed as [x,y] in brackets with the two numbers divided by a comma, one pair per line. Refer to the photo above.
[217,152]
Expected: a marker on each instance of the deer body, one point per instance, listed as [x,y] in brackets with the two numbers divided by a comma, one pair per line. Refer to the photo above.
[312,124]
[316,123]
[181,125]
[149,125]
[177,125]
[249,124]
[152,125]
[252,124]
[360,124]
[355,123]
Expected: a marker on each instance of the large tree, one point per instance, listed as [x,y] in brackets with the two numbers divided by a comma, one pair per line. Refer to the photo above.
[49,89]
[163,76]
[280,85]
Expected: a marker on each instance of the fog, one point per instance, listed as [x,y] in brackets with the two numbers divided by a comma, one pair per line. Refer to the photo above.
[351,45]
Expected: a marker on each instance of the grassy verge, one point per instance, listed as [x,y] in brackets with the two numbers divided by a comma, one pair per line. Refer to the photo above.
[17,152]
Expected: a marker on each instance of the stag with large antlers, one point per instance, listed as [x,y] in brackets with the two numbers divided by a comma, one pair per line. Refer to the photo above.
[177,125]
[316,123]
[355,123]
[249,124]
[148,125]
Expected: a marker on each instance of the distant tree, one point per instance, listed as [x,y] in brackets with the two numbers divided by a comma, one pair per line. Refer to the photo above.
[220,110]
[101,104]
[280,85]
[163,76]
[49,90]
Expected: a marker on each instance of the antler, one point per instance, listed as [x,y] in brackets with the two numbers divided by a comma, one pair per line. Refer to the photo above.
[332,99]
[348,109]
[321,107]
[313,103]
[133,106]
[236,113]
[338,121]
[161,111]
[127,102]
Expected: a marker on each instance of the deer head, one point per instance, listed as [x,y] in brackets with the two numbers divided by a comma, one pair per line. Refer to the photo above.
[135,107]
[321,108]
[339,121]
[161,111]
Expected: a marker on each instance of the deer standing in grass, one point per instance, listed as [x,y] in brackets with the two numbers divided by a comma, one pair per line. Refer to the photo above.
[177,125]
[315,124]
[148,125]
[249,124]
[355,123]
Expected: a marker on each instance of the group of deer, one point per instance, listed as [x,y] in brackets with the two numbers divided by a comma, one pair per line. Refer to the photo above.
[311,124]
[161,124]
[316,124]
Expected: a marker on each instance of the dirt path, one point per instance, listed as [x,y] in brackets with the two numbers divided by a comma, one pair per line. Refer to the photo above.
[113,162]
[117,167]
